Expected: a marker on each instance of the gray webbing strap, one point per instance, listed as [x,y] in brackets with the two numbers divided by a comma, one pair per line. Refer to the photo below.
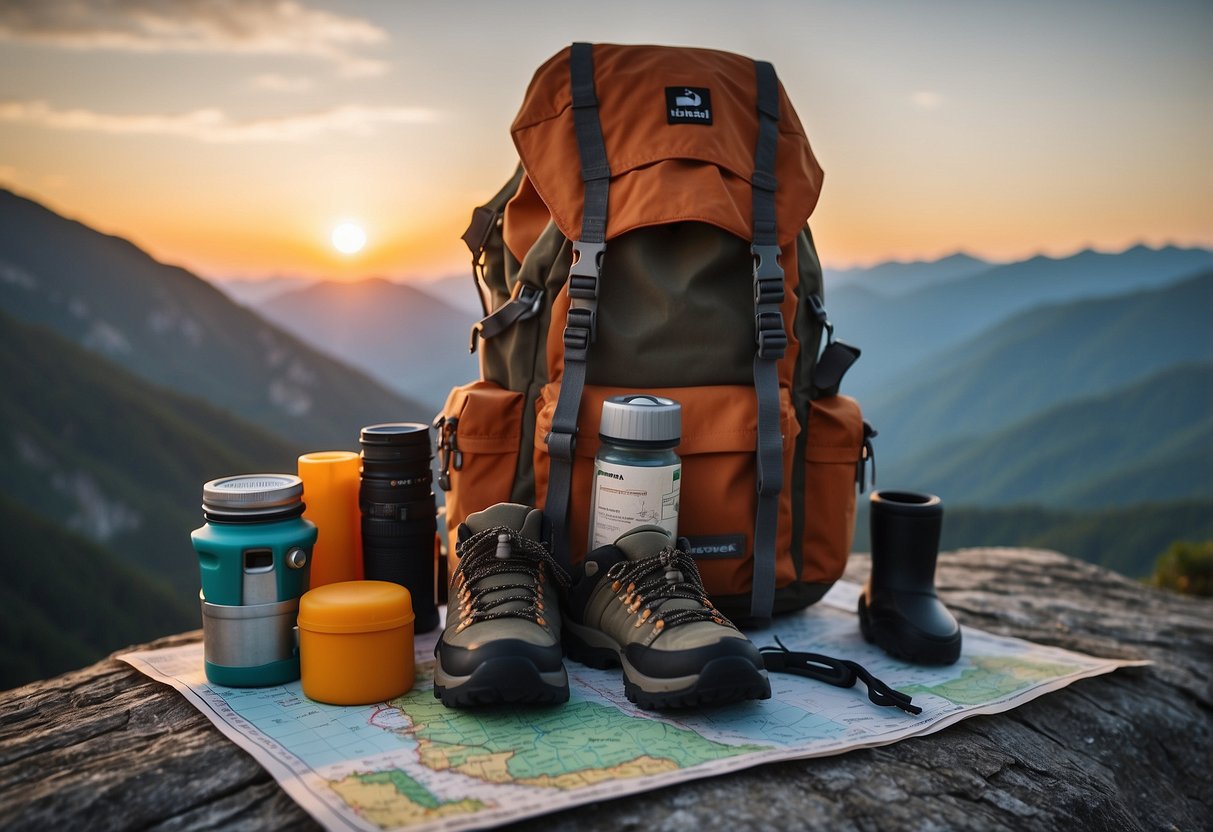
[584,273]
[771,343]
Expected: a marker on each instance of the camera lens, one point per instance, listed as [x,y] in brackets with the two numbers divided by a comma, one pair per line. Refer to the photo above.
[399,522]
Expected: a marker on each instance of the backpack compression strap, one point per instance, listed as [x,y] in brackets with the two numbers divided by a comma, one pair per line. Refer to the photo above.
[771,343]
[584,272]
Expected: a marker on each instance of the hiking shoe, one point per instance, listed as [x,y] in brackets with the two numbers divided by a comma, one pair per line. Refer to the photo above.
[502,638]
[640,604]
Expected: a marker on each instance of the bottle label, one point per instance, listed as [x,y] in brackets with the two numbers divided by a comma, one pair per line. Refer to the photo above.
[627,496]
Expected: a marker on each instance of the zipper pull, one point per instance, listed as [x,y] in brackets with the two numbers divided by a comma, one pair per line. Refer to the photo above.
[449,454]
[867,454]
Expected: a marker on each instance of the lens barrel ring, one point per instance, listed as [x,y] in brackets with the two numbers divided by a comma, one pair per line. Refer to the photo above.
[399,512]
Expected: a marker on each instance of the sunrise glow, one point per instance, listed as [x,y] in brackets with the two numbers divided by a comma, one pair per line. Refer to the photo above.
[348,238]
[333,141]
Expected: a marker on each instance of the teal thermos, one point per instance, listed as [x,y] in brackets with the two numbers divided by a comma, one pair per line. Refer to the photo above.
[254,554]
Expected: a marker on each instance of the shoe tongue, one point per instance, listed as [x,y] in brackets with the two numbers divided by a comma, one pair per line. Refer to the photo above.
[525,520]
[644,542]
[528,522]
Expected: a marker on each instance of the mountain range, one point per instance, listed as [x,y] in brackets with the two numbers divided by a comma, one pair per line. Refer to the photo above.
[402,336]
[893,279]
[1039,358]
[176,330]
[899,333]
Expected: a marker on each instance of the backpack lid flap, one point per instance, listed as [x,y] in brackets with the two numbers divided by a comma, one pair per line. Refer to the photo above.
[680,128]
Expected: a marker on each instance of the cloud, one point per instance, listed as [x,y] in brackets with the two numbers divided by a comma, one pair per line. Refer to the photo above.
[927,100]
[273,82]
[251,27]
[213,125]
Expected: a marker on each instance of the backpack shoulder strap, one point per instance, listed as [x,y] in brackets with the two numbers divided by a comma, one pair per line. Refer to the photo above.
[584,273]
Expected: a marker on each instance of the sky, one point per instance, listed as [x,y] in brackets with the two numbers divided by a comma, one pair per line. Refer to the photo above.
[232,136]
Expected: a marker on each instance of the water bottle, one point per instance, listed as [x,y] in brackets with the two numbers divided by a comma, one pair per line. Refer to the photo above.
[637,474]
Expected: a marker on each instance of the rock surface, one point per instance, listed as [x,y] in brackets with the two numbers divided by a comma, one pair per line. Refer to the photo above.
[107,748]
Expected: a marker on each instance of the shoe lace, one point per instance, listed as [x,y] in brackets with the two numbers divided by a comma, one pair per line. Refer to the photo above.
[499,551]
[648,584]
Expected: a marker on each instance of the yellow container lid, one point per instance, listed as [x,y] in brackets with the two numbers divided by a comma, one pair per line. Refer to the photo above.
[355,607]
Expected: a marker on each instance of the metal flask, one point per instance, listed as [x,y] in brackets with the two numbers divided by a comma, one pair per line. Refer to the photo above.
[254,557]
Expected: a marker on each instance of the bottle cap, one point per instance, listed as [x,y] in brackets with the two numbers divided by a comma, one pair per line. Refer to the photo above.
[641,417]
[252,495]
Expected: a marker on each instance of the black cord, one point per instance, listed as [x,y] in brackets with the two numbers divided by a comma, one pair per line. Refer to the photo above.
[840,673]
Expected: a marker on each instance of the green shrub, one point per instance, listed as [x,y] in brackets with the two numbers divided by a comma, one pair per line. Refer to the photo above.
[1186,567]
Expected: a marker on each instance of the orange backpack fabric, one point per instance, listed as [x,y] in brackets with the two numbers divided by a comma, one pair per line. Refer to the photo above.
[703,290]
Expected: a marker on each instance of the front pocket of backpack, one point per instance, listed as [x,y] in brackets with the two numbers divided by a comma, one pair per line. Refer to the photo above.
[832,451]
[718,493]
[479,433]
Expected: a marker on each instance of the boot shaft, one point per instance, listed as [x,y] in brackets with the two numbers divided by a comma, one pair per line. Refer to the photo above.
[905,530]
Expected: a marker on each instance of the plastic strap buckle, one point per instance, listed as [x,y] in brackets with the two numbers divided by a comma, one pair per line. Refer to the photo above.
[582,325]
[561,443]
[523,305]
[585,269]
[531,298]
[769,333]
[768,290]
[579,334]
[766,264]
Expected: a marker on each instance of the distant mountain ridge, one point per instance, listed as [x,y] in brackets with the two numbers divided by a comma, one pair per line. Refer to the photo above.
[1042,357]
[456,290]
[896,333]
[175,329]
[897,278]
[401,335]
[252,291]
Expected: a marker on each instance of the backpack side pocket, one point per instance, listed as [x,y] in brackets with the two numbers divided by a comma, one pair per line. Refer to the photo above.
[833,453]
[479,432]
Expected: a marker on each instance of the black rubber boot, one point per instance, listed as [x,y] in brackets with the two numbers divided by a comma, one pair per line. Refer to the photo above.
[898,608]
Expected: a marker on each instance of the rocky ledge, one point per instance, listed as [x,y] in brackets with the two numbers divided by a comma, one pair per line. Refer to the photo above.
[107,748]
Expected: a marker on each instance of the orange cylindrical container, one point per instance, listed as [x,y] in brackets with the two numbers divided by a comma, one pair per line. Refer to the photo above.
[330,492]
[356,642]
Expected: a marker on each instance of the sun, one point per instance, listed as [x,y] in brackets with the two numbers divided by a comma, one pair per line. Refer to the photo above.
[348,237]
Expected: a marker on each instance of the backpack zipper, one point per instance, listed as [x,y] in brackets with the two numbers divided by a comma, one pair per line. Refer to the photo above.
[449,454]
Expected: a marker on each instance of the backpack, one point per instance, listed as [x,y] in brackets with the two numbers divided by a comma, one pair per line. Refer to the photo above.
[653,239]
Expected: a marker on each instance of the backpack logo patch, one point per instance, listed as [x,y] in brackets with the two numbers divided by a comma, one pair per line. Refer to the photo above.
[716,546]
[688,105]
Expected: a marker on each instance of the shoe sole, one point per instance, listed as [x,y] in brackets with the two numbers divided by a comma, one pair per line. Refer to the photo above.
[902,641]
[507,680]
[721,681]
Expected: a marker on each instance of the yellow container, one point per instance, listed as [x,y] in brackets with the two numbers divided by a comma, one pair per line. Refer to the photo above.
[356,642]
[330,494]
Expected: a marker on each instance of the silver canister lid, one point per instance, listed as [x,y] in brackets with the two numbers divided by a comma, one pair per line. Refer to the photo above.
[252,494]
[641,417]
